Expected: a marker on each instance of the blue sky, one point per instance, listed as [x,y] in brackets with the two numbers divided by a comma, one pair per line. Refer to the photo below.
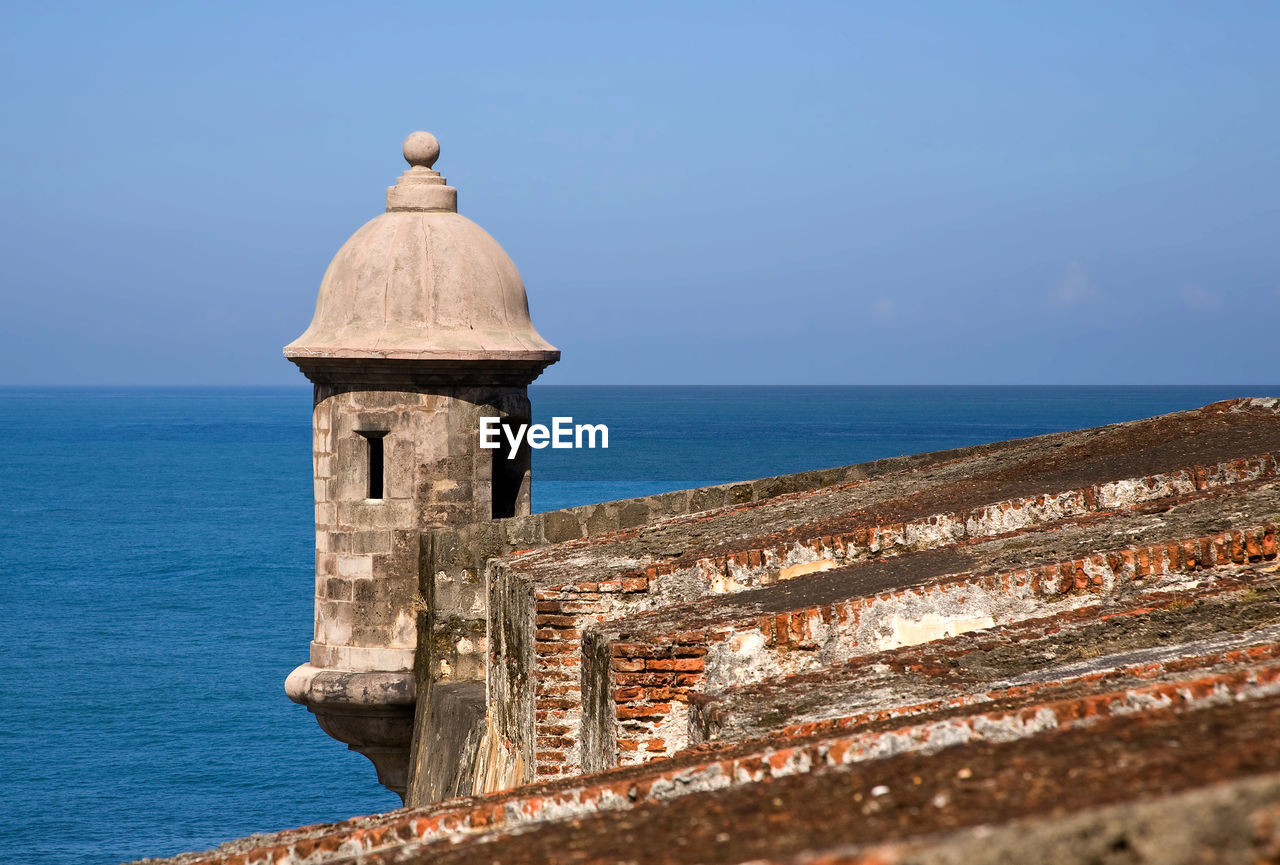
[845,193]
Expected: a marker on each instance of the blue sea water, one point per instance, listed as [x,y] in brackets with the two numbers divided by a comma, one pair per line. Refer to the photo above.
[157,561]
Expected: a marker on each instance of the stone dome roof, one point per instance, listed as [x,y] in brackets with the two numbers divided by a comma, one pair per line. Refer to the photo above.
[421,282]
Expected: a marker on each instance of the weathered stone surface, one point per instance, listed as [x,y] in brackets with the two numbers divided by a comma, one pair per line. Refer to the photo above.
[1136,634]
[455,725]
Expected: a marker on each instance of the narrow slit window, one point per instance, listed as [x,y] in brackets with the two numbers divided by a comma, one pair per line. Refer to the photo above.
[377,461]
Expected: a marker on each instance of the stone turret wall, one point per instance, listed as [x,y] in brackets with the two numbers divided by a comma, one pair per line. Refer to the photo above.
[367,549]
[390,458]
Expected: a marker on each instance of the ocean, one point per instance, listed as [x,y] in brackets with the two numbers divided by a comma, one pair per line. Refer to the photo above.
[157,563]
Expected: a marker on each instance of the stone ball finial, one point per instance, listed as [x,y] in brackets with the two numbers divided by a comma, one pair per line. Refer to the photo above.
[421,148]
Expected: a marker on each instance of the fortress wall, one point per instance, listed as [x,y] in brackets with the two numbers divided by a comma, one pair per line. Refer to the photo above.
[455,588]
[518,624]
[541,659]
[460,606]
